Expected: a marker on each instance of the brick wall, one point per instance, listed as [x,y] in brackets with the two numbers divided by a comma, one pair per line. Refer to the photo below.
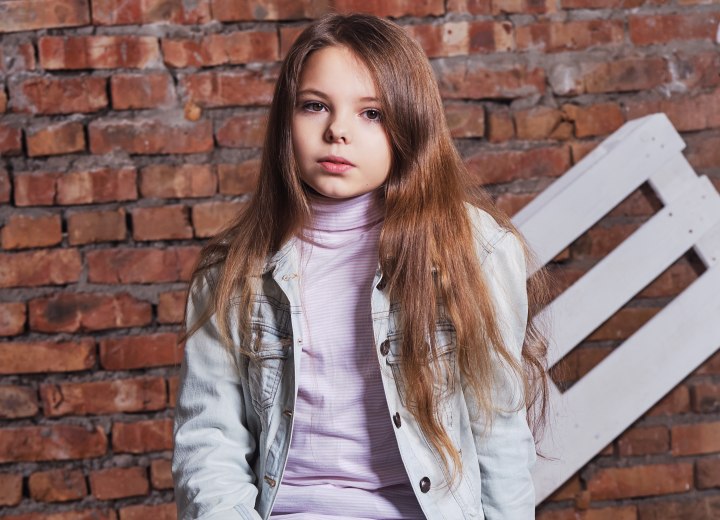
[130,132]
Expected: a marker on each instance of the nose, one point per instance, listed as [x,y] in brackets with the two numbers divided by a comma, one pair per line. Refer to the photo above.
[337,131]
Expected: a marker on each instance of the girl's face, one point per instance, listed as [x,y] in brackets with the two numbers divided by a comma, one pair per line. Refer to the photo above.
[337,130]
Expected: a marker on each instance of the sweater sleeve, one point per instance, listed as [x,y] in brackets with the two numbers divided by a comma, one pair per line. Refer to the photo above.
[212,444]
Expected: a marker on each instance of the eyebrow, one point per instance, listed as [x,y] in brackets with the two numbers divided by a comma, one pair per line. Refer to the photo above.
[321,94]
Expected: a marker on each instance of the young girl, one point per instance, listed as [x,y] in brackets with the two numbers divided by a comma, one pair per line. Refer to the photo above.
[359,344]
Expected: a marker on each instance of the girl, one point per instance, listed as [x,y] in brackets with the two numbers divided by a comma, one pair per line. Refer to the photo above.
[359,343]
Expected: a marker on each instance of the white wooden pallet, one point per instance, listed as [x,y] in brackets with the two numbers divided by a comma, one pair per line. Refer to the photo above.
[603,403]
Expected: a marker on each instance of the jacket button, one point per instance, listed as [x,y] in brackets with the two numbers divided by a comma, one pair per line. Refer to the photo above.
[396,420]
[424,484]
[385,347]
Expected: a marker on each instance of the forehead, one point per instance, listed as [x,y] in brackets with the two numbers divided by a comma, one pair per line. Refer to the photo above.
[337,71]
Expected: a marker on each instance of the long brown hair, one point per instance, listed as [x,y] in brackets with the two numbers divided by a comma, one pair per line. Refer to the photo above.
[427,254]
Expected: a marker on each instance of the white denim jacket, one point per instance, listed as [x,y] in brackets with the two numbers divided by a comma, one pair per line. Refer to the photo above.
[234,417]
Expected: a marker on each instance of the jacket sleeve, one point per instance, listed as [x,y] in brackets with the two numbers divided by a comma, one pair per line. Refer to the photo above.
[507,451]
[213,446]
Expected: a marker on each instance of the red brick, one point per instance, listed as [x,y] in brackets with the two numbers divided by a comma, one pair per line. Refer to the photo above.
[694,439]
[601,119]
[10,140]
[623,323]
[5,187]
[288,35]
[138,91]
[17,57]
[465,119]
[35,188]
[639,481]
[29,15]
[540,122]
[141,265]
[703,150]
[89,227]
[17,402]
[489,167]
[469,78]
[221,49]
[173,385]
[130,352]
[96,186]
[707,472]
[391,8]
[149,512]
[58,485]
[462,38]
[705,397]
[23,231]
[671,282]
[523,6]
[676,402]
[41,267]
[168,135]
[59,95]
[569,35]
[166,181]
[171,307]
[696,508]
[98,52]
[3,101]
[599,241]
[238,178]
[511,203]
[114,483]
[57,442]
[73,312]
[161,474]
[696,70]
[10,489]
[233,11]
[161,223]
[604,513]
[659,29]
[30,357]
[236,88]
[621,75]
[104,397]
[500,126]
[85,514]
[680,110]
[209,218]
[139,12]
[640,203]
[55,139]
[12,318]
[644,441]
[246,130]
[142,436]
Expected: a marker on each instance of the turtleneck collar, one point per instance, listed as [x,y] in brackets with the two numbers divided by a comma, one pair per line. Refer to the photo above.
[358,212]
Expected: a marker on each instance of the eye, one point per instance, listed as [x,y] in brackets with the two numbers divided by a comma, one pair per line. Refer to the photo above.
[373,114]
[313,106]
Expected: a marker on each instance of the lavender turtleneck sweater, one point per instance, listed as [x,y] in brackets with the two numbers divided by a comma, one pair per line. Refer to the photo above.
[343,461]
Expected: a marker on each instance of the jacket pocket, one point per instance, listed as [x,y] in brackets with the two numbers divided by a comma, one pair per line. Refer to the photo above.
[266,366]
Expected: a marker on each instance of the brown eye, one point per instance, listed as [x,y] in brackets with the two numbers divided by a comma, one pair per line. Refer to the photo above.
[372,114]
[313,106]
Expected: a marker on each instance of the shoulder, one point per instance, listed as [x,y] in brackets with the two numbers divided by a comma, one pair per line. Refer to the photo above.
[487,232]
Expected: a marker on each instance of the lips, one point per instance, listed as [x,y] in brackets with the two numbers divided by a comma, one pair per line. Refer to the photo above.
[335,164]
[335,159]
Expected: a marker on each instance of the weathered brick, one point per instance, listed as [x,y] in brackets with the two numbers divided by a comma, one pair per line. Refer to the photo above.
[695,508]
[23,231]
[57,442]
[96,186]
[104,397]
[173,386]
[230,88]
[598,241]
[681,110]
[161,223]
[149,512]
[35,188]
[85,514]
[73,312]
[5,187]
[639,481]
[671,282]
[142,351]
[209,218]
[139,12]
[142,436]
[676,402]
[624,323]
[511,203]
[601,119]
[644,441]
[30,15]
[522,6]
[185,180]
[500,125]
[696,70]
[17,57]
[238,178]
[462,38]
[141,265]
[171,307]
[621,75]
[288,35]
[10,489]
[98,52]
[138,91]
[29,357]
[703,150]
[246,130]
[470,78]
[10,140]
[232,11]
[489,167]
[569,35]
[390,8]
[465,119]
[55,139]
[88,227]
[41,267]
[694,439]
[59,95]
[58,485]
[17,401]
[169,135]
[659,29]
[160,474]
[705,397]
[114,483]
[221,49]
[539,123]
[12,318]
[707,472]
